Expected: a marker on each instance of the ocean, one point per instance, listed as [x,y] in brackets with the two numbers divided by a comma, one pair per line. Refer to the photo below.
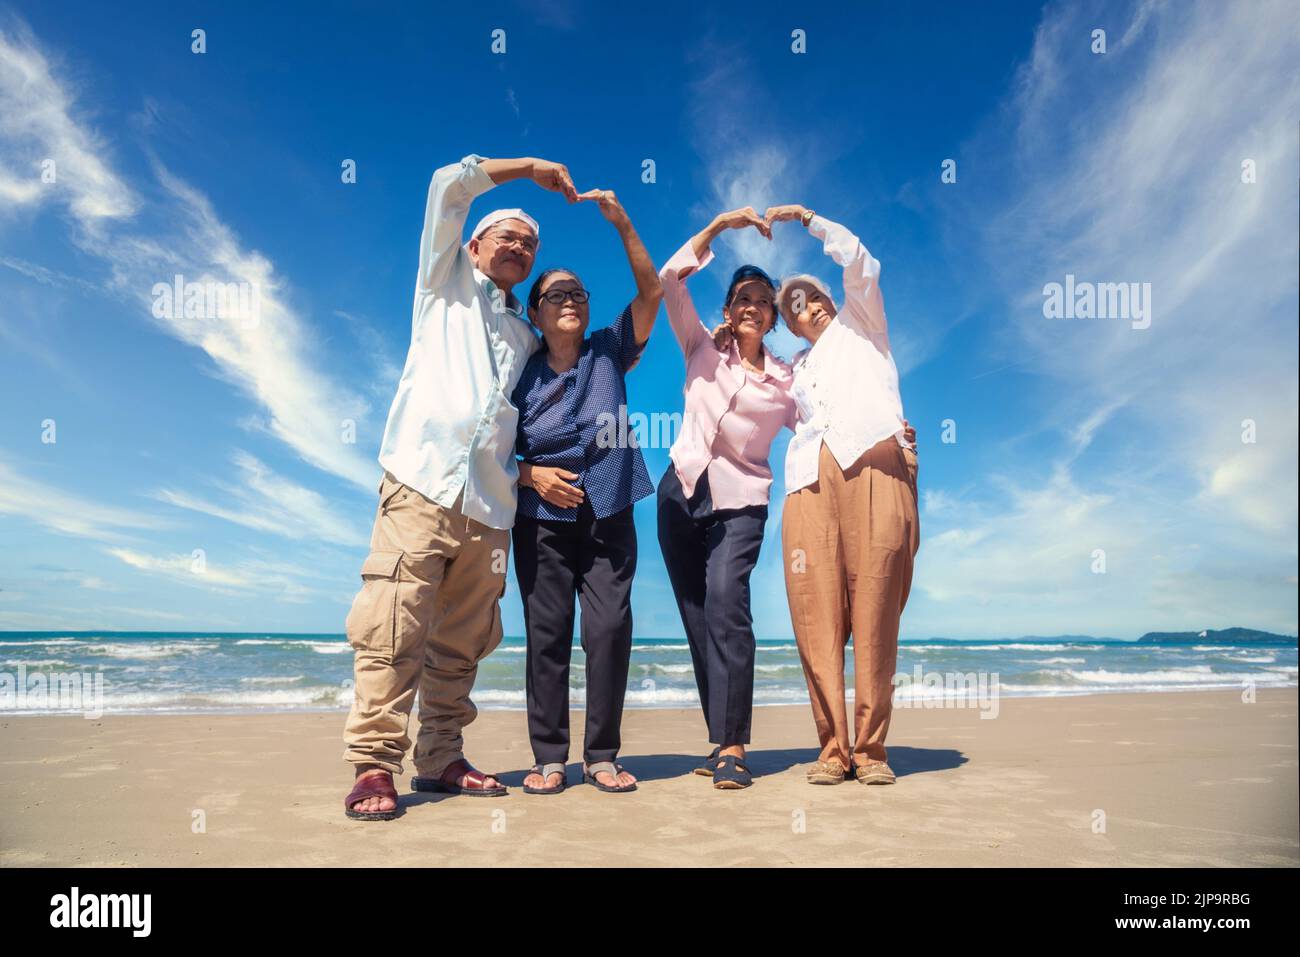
[151,673]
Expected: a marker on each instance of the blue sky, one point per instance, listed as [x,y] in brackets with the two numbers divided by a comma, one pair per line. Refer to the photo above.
[1071,435]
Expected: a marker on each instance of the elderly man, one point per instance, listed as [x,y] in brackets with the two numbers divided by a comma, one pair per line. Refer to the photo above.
[427,611]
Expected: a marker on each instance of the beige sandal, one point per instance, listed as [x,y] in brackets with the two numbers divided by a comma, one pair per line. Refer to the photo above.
[826,772]
[874,772]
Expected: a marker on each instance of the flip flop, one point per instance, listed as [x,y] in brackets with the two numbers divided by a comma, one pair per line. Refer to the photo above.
[706,768]
[372,785]
[445,783]
[589,772]
[730,774]
[546,770]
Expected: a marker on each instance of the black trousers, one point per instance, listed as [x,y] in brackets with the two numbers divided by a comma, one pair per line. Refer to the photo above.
[710,555]
[595,559]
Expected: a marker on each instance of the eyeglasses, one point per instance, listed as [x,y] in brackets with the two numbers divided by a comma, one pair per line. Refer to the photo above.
[528,243]
[556,297]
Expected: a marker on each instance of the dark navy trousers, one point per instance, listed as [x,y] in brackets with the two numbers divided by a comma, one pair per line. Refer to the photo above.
[593,560]
[710,555]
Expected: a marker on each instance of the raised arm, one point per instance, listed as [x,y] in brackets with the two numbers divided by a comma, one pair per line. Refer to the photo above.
[649,290]
[548,175]
[733,219]
[682,316]
[862,298]
[693,256]
[452,190]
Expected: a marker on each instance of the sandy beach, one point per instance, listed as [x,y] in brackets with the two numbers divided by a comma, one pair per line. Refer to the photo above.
[1187,779]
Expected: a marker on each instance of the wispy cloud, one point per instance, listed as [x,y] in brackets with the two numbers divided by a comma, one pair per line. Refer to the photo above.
[384,368]
[271,361]
[749,157]
[37,125]
[206,572]
[46,276]
[1149,189]
[67,513]
[56,574]
[1127,168]
[746,163]
[188,569]
[146,613]
[1061,554]
[263,500]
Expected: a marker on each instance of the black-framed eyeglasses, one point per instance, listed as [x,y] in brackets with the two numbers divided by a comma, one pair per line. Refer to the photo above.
[556,297]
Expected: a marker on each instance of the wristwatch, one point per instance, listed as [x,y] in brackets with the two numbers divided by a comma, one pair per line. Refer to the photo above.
[806,218]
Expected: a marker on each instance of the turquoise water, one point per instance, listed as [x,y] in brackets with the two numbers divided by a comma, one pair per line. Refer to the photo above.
[187,672]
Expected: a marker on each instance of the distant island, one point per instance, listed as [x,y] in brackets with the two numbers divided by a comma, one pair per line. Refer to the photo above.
[1230,636]
[1234,636]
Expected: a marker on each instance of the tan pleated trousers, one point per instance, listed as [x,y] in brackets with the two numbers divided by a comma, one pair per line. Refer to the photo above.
[849,541]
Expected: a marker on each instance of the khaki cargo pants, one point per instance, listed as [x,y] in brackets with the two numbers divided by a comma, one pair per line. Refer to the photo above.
[426,615]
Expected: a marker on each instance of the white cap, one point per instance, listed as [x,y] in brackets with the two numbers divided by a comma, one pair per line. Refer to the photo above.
[497,215]
[786,292]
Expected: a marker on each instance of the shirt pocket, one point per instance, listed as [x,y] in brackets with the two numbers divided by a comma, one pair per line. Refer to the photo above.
[804,402]
[509,356]
[756,445]
[769,411]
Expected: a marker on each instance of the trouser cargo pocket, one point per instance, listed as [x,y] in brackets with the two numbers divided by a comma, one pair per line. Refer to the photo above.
[372,621]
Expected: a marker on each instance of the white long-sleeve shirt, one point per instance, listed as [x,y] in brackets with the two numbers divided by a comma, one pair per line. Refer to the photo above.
[452,425]
[845,384]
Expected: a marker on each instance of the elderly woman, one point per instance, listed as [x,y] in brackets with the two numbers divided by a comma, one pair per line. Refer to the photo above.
[850,527]
[573,533]
[713,498]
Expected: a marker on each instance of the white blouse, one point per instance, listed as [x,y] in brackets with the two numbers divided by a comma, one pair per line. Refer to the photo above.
[846,384]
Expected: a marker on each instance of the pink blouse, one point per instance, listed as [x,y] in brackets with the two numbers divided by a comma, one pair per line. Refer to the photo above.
[732,414]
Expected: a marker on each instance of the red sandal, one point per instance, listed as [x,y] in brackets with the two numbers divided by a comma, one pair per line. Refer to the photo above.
[449,781]
[370,785]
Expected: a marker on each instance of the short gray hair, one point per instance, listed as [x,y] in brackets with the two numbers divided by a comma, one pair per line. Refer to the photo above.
[786,292]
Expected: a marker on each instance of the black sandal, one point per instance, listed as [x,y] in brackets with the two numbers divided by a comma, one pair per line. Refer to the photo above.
[706,768]
[730,774]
